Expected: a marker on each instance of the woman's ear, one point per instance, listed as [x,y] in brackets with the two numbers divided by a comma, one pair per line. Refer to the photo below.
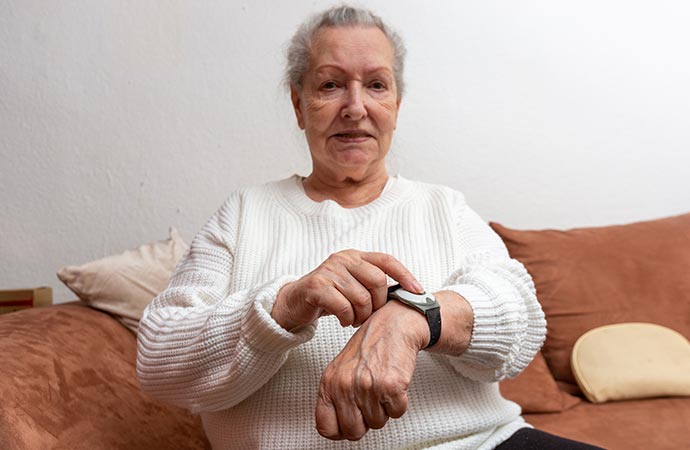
[397,111]
[296,103]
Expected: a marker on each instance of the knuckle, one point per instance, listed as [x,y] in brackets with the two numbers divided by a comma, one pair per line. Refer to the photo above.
[360,298]
[365,382]
[314,282]
[380,279]
[397,413]
[355,435]
[350,257]
[377,423]
[329,373]
[391,387]
[396,405]
[344,312]
[387,259]
[343,386]
[339,257]
[323,398]
[327,432]
[355,430]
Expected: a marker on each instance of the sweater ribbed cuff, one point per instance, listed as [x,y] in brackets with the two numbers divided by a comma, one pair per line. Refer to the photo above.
[262,332]
[493,333]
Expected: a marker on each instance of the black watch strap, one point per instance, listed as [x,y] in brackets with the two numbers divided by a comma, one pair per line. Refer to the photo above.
[433,316]
[425,304]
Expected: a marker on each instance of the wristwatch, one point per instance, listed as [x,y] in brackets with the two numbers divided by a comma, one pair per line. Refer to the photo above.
[425,303]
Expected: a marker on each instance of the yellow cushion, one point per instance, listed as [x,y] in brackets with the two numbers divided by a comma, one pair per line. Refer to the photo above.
[631,360]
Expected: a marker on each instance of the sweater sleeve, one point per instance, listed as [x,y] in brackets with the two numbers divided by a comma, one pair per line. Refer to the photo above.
[509,324]
[203,347]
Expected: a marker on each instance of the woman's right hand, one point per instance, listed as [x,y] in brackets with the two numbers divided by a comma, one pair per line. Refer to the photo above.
[350,285]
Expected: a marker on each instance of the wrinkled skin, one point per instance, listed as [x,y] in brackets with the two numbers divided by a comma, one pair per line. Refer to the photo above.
[350,285]
[366,384]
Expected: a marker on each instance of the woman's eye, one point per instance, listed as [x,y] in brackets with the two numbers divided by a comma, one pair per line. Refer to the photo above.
[329,85]
[377,86]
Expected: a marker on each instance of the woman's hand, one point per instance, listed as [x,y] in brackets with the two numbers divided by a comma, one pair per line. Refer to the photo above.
[350,284]
[366,384]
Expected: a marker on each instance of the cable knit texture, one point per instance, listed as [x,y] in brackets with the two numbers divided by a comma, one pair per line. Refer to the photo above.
[208,342]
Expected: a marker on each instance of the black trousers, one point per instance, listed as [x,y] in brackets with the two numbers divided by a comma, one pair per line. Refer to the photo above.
[531,439]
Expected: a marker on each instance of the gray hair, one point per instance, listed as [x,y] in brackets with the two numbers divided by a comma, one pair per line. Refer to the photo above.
[299,50]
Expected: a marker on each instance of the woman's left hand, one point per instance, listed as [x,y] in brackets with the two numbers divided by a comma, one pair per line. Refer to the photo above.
[366,384]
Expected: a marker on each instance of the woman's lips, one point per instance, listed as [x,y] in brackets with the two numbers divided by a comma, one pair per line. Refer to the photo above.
[352,137]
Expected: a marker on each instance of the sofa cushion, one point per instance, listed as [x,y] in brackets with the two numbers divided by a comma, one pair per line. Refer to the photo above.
[659,424]
[69,381]
[631,361]
[536,391]
[589,277]
[124,284]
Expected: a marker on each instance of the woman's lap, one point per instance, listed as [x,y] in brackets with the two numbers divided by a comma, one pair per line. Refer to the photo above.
[531,439]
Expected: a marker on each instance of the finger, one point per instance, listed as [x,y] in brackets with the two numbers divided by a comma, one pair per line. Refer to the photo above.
[395,269]
[350,420]
[396,405]
[368,399]
[334,302]
[374,413]
[374,281]
[327,419]
[358,296]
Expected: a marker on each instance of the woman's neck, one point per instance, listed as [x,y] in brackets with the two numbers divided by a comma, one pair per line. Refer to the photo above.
[346,191]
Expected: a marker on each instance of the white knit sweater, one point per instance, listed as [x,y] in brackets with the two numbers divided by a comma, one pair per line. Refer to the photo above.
[209,344]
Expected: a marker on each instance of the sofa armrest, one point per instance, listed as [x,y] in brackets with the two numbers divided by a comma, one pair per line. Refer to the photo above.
[69,381]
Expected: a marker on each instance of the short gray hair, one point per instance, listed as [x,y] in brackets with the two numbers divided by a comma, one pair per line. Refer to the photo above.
[299,50]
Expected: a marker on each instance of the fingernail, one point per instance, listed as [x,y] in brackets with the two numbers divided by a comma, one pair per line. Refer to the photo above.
[418,286]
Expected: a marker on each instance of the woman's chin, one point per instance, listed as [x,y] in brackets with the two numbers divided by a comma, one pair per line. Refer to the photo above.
[350,162]
[354,157]
[355,171]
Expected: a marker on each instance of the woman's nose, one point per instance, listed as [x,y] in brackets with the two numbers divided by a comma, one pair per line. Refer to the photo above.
[354,108]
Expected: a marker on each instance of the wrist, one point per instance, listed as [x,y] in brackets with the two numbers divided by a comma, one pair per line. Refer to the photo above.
[281,312]
[411,325]
[458,322]
[425,304]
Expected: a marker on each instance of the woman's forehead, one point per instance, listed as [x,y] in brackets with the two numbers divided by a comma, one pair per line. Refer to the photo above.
[345,46]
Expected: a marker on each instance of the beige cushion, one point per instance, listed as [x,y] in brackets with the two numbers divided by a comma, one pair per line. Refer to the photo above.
[631,361]
[124,284]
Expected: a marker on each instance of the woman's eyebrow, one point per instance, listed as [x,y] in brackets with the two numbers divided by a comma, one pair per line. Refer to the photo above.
[376,69]
[326,68]
[380,69]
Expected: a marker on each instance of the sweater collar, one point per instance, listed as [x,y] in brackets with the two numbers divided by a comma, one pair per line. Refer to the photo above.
[291,190]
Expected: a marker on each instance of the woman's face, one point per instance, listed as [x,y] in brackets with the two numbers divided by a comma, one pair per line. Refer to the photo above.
[348,104]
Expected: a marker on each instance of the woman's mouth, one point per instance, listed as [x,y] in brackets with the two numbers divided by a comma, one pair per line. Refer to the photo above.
[353,136]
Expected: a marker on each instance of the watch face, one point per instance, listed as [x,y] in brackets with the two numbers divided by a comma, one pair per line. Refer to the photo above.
[421,301]
[429,300]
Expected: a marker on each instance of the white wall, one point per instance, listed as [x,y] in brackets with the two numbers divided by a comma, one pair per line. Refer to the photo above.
[120,118]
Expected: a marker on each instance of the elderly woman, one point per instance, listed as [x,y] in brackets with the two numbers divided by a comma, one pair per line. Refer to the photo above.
[277,326]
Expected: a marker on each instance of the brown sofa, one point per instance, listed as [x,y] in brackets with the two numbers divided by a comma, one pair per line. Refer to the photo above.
[592,277]
[69,382]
